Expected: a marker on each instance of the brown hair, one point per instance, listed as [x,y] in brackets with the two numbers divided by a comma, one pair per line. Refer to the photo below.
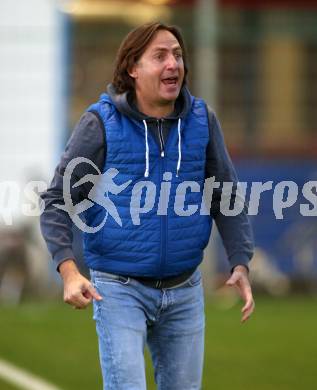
[132,48]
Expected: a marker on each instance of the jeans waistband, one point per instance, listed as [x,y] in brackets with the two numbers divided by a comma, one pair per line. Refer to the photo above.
[169,282]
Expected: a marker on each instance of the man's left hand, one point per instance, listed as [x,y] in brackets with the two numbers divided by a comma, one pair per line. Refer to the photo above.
[240,280]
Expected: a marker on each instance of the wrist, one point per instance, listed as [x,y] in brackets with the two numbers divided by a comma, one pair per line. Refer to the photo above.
[241,267]
[68,267]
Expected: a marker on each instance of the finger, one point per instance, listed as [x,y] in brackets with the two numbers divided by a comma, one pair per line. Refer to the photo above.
[233,279]
[247,313]
[246,316]
[249,305]
[77,300]
[82,303]
[71,300]
[244,288]
[94,293]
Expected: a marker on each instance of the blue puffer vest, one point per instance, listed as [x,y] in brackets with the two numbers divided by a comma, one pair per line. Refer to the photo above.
[154,243]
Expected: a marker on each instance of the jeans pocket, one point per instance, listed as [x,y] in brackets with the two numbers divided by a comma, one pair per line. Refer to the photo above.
[195,279]
[105,277]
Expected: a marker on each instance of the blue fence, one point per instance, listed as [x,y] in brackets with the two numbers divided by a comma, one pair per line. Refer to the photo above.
[290,243]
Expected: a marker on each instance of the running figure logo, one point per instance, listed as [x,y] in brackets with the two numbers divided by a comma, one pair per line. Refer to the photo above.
[103,184]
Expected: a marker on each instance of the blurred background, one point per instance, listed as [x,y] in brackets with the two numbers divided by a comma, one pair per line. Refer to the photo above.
[255,63]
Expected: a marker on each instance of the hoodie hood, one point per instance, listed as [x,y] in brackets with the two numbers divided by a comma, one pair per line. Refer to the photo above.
[124,103]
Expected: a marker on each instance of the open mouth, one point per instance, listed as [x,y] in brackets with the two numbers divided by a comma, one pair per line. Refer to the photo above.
[170,80]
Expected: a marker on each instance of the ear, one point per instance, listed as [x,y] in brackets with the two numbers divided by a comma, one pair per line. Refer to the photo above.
[133,72]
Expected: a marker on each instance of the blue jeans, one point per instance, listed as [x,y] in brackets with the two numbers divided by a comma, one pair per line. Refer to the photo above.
[171,321]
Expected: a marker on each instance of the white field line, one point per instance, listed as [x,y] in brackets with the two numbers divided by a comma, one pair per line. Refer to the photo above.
[22,378]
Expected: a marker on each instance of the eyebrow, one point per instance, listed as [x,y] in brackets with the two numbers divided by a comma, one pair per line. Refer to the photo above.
[163,48]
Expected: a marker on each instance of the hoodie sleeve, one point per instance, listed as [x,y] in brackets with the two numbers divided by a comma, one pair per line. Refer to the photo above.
[235,231]
[87,140]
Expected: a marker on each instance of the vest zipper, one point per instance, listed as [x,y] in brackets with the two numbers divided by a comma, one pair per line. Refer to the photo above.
[159,126]
[163,217]
[163,225]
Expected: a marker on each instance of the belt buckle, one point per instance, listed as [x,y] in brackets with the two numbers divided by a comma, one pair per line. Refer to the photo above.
[158,283]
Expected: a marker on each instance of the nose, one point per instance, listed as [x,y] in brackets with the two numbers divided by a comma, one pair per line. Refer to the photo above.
[171,62]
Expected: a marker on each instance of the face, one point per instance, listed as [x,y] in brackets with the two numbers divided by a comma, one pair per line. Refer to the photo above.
[159,73]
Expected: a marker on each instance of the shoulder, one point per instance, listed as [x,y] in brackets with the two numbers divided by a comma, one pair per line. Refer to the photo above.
[103,108]
[89,131]
[200,106]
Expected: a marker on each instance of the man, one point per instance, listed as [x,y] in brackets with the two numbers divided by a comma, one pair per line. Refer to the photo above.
[155,138]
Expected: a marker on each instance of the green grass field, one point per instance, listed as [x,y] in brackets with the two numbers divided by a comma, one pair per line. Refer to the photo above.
[276,349]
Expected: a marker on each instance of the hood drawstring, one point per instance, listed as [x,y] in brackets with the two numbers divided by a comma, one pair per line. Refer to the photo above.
[146,172]
[179,146]
[147,162]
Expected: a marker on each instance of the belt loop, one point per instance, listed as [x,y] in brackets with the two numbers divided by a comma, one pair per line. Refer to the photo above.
[158,284]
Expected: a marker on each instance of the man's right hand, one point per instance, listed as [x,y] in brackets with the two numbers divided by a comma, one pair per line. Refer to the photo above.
[78,291]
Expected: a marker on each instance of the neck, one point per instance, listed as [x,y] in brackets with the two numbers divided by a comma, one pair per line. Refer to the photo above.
[156,111]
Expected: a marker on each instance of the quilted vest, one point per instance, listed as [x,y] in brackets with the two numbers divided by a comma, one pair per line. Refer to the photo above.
[160,231]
